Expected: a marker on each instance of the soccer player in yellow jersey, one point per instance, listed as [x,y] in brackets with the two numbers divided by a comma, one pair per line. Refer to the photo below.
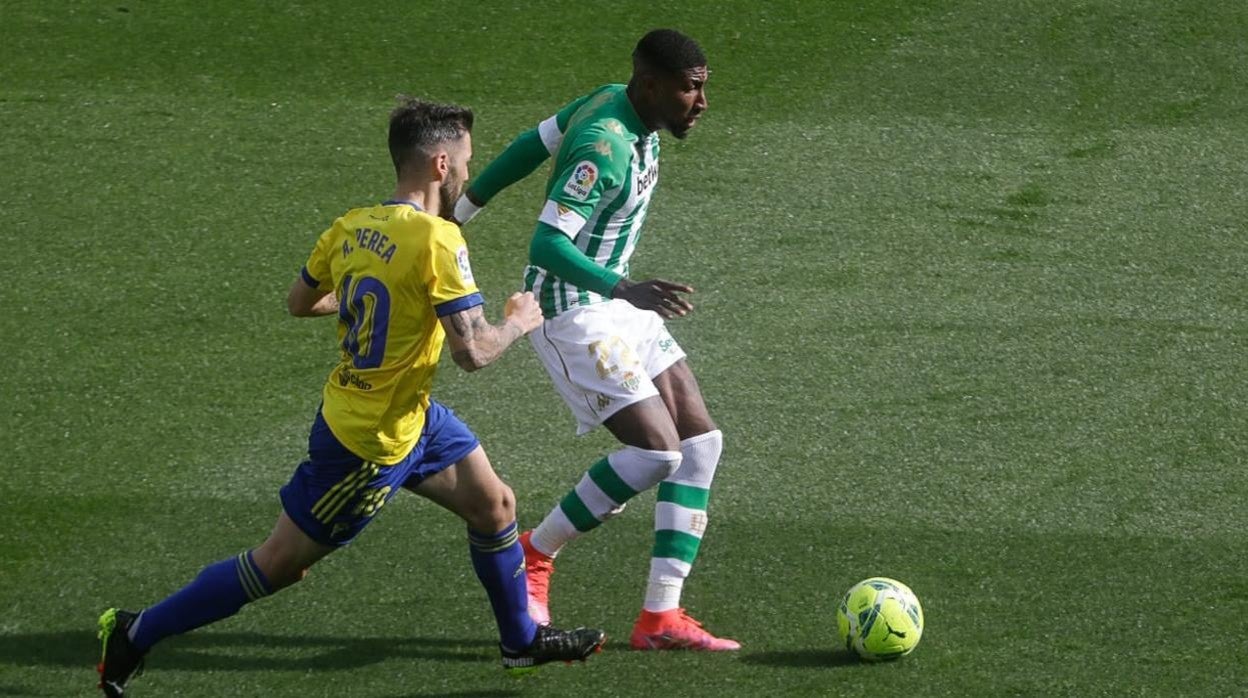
[398,279]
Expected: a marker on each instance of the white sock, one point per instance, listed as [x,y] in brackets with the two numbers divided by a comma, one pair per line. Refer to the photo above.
[601,494]
[680,519]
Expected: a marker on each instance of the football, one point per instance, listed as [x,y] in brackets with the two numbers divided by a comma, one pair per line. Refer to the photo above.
[880,618]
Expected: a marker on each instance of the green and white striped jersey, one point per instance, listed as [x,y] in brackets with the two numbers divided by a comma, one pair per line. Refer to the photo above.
[605,171]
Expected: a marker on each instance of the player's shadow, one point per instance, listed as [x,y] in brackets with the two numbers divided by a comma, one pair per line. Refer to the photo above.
[801,659]
[247,651]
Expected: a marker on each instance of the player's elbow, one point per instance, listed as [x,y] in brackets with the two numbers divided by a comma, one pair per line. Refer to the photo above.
[469,360]
[295,308]
[297,305]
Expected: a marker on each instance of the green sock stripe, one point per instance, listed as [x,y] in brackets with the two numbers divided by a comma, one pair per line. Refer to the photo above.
[610,483]
[687,496]
[578,513]
[676,544]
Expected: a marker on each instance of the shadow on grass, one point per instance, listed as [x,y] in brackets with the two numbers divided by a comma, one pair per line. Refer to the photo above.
[246,651]
[464,694]
[7,690]
[801,659]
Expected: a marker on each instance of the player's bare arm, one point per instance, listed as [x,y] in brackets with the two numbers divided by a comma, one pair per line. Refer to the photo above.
[663,297]
[475,343]
[305,301]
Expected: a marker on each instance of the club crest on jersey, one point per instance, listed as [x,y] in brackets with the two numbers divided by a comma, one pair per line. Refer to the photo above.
[582,180]
[465,269]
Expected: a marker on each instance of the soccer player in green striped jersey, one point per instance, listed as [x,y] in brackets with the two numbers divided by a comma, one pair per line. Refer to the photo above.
[603,339]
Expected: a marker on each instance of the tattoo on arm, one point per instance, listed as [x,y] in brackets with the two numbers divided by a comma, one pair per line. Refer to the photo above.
[485,341]
[463,326]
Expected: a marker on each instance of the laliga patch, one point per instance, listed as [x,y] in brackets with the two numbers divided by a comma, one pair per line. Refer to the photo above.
[465,269]
[582,180]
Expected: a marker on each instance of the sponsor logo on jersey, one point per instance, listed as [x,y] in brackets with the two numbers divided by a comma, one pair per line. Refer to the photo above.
[465,269]
[604,149]
[614,126]
[582,180]
[646,179]
[347,378]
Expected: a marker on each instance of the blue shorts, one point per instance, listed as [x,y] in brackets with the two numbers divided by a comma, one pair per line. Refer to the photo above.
[334,493]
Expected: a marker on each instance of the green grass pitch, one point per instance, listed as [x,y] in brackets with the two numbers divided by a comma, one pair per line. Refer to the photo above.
[971,312]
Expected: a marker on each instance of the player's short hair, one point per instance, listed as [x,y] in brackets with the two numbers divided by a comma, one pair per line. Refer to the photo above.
[667,51]
[418,126]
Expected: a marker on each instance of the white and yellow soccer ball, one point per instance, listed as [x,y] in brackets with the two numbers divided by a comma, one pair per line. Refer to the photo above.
[880,618]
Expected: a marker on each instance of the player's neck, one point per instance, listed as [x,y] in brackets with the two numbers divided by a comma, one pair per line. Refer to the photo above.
[639,106]
[424,195]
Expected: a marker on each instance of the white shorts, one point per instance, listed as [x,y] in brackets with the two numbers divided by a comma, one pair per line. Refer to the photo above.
[603,357]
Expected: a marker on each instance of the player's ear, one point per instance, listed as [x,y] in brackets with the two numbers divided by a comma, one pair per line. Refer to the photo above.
[441,165]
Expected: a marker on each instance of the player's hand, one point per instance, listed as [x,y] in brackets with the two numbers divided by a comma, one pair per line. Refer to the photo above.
[663,297]
[523,311]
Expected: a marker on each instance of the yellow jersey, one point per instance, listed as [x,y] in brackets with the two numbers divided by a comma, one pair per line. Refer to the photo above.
[395,270]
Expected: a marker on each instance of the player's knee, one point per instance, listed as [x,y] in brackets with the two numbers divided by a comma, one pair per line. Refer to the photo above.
[493,510]
[702,453]
[645,466]
[669,465]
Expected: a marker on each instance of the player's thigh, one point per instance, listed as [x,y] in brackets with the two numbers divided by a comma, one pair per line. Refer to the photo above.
[678,388]
[472,490]
[645,424]
[454,472]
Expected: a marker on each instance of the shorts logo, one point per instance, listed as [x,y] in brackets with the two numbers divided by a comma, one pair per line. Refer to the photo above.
[666,344]
[630,382]
[465,269]
[603,401]
[581,183]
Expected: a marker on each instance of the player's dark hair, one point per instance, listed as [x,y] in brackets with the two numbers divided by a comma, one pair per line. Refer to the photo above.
[417,127]
[667,51]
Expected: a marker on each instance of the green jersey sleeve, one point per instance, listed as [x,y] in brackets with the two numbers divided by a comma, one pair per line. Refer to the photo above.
[524,155]
[596,164]
[553,251]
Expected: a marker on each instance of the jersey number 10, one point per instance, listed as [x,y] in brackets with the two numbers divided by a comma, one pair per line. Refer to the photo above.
[364,307]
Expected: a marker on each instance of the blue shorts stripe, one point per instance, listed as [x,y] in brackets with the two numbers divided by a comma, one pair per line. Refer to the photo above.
[336,492]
